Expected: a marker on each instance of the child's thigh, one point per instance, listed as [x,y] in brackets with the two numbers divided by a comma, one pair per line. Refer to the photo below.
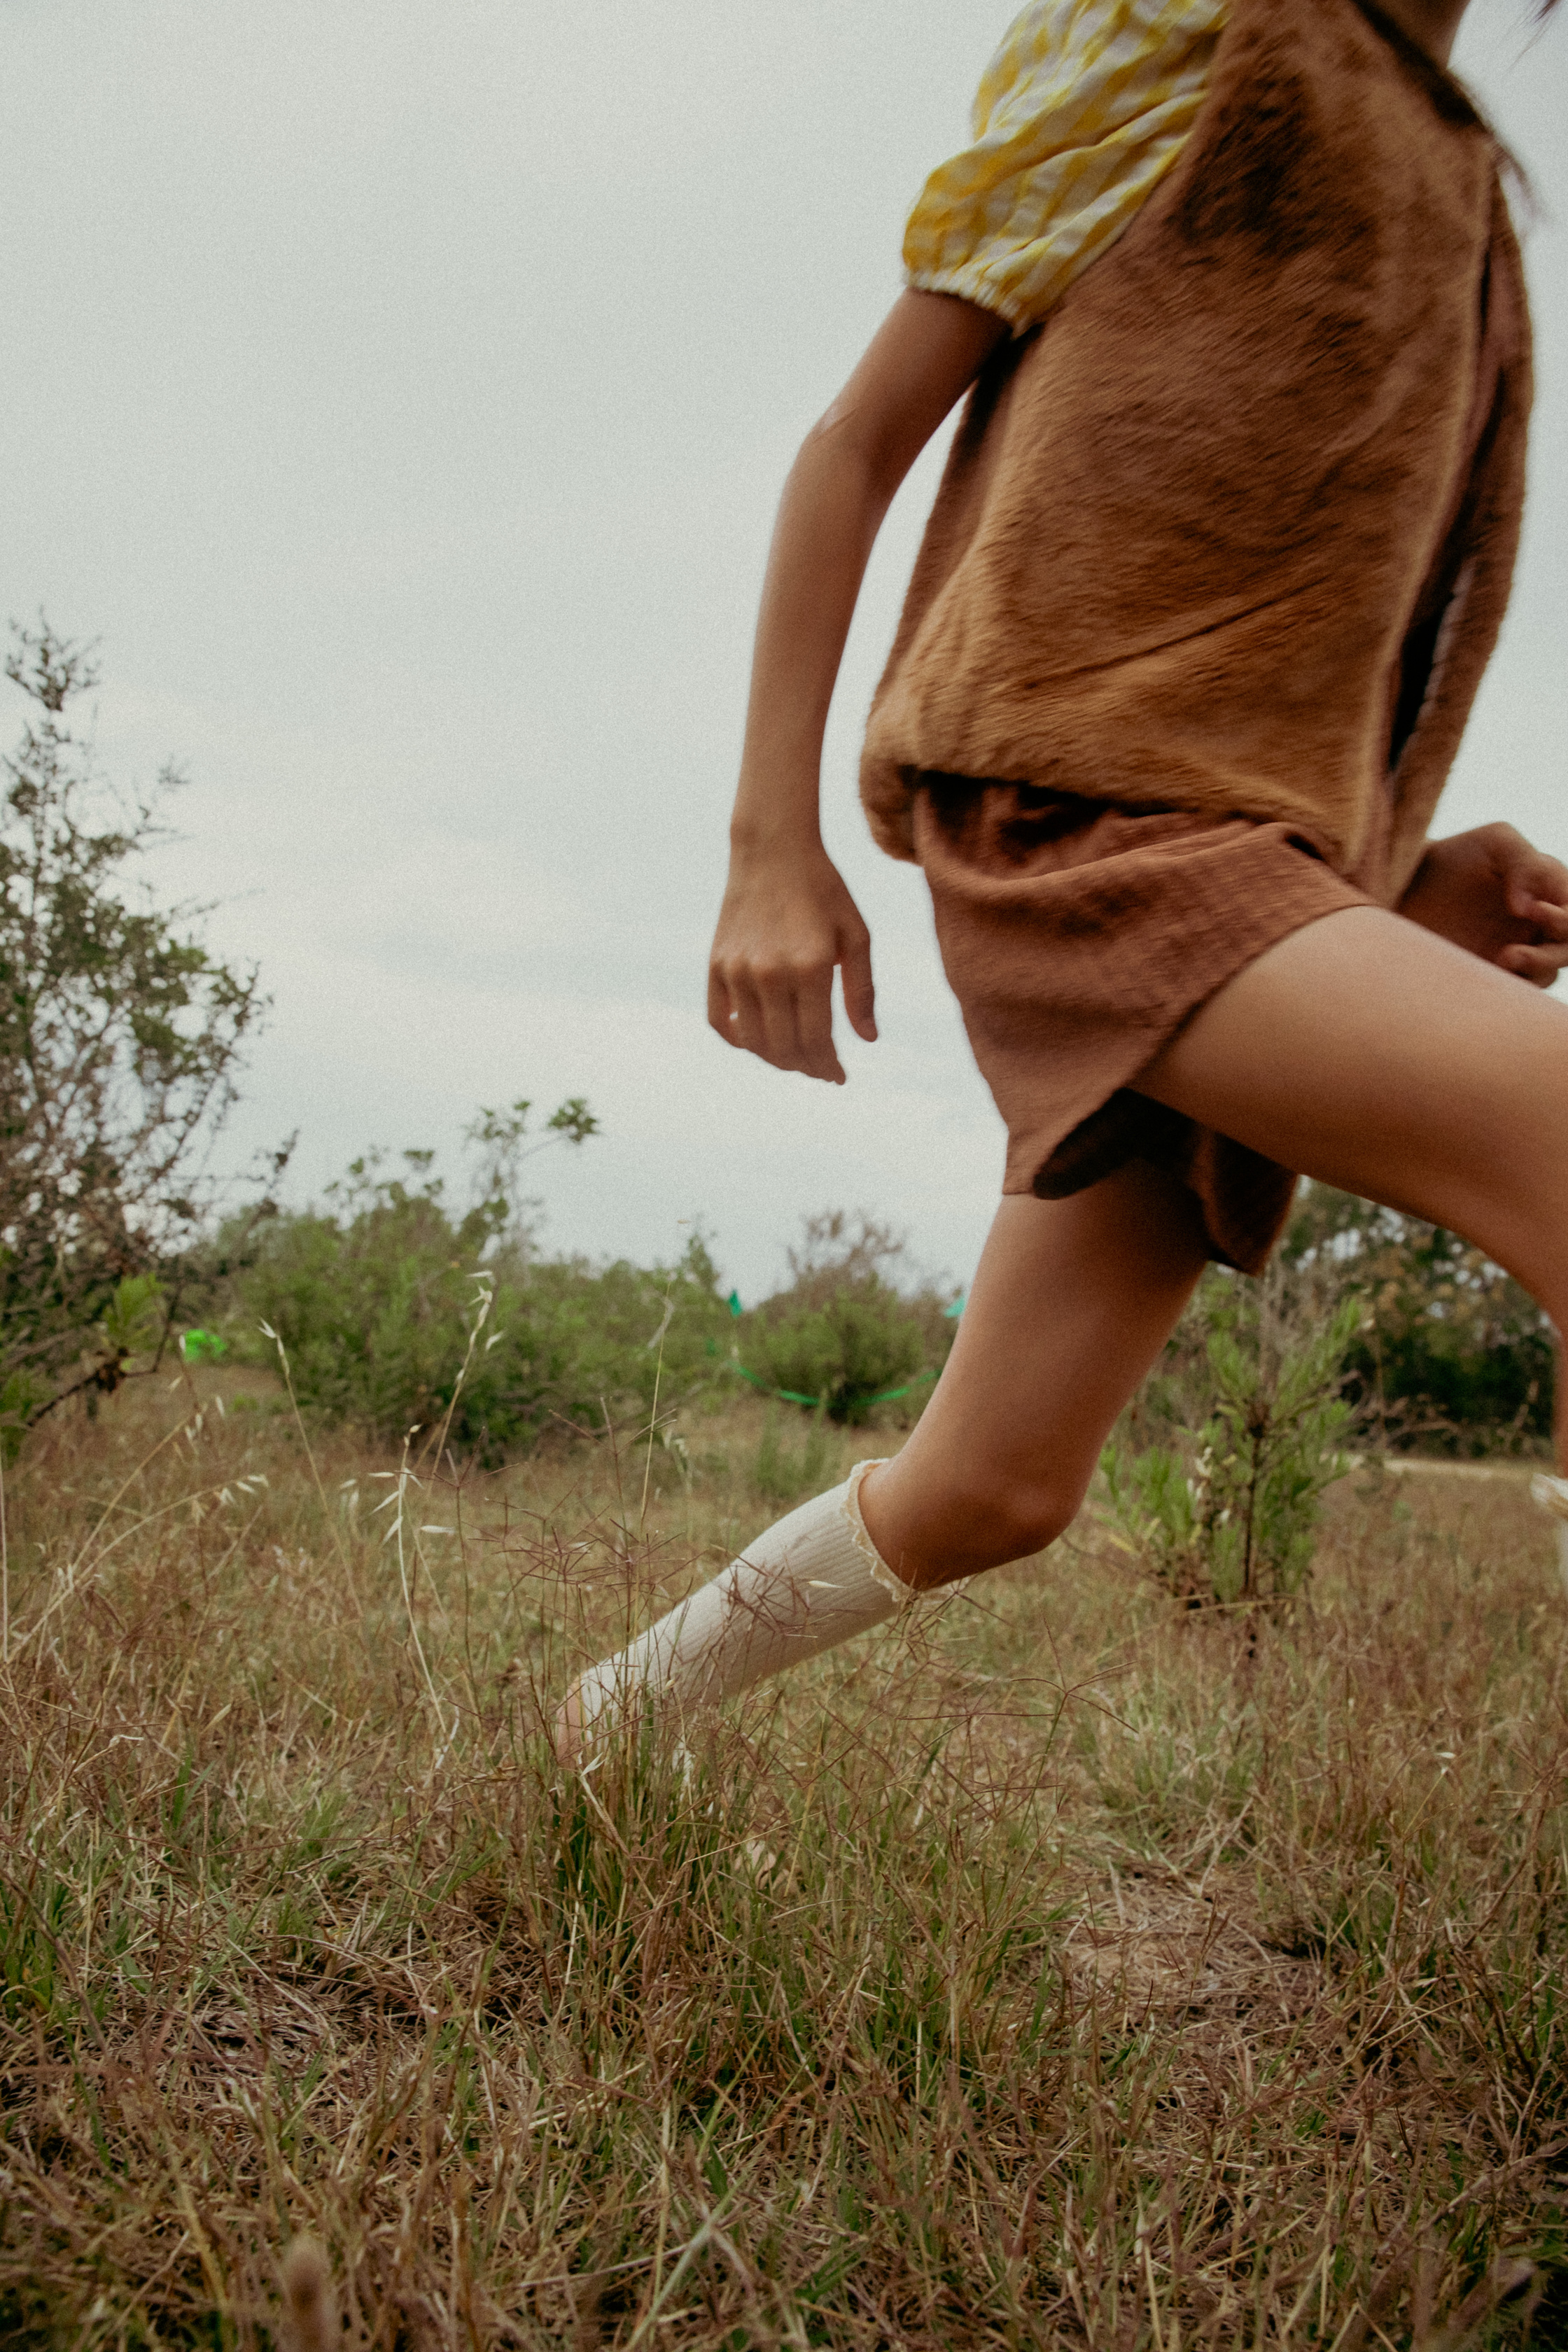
[1366,1052]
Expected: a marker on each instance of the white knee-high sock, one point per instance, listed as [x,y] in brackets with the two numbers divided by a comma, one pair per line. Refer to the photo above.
[810,1582]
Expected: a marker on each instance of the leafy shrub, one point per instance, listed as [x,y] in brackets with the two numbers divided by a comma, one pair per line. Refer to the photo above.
[1225,1508]
[374,1298]
[842,1356]
[120,1039]
[842,1338]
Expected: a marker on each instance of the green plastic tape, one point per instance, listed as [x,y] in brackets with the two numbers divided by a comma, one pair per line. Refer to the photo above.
[794,1396]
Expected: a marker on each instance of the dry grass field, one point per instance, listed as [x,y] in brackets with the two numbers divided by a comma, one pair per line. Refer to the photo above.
[1054,1967]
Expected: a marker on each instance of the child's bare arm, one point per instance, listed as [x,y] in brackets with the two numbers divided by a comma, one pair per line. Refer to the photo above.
[787,919]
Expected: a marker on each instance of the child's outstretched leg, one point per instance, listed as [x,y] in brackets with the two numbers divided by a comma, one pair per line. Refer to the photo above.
[807,1583]
[1072,1302]
[1362,1049]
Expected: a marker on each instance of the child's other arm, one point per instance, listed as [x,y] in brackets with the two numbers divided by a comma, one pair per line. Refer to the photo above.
[1492,892]
[787,919]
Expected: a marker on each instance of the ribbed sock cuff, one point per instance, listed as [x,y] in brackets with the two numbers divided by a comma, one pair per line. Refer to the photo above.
[860,1534]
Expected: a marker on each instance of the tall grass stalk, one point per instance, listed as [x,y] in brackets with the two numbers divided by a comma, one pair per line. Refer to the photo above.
[283,1367]
[483,1300]
[664,1323]
[400,1532]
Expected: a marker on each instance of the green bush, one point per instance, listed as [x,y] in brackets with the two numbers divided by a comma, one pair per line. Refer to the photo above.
[119,1044]
[375,1300]
[842,1338]
[842,1357]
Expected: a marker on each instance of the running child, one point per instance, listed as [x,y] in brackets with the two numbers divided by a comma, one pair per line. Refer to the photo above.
[1220,553]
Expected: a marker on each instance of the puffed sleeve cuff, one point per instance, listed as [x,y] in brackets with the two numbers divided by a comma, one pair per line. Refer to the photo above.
[970,284]
[1080,115]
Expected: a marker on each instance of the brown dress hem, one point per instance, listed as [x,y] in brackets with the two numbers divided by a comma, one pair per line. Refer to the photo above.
[1079,937]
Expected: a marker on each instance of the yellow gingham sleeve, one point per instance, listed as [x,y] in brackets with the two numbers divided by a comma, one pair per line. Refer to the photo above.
[1083,109]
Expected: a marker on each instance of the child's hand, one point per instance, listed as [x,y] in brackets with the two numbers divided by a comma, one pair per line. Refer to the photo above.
[786,921]
[1492,892]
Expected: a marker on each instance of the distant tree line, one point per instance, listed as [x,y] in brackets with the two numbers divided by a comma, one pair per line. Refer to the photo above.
[394,1306]
[1452,1354]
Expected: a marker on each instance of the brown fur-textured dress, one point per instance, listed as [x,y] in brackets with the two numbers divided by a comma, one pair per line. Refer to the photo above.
[1218,559]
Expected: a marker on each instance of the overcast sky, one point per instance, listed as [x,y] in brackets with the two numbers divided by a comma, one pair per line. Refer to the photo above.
[400,390]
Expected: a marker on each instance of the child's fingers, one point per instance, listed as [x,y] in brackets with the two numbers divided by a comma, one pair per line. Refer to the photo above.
[777,1025]
[814,1022]
[859,993]
[748,1020]
[1538,889]
[721,1007]
[777,1016]
[1539,965]
[786,1018]
[1538,895]
[1547,917]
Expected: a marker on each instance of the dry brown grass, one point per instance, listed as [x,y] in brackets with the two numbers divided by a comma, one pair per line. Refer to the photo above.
[1059,1970]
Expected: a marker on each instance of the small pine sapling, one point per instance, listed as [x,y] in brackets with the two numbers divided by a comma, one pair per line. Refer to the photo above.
[1225,1509]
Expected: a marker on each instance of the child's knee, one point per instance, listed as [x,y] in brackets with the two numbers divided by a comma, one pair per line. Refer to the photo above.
[984,1524]
[1030,1514]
